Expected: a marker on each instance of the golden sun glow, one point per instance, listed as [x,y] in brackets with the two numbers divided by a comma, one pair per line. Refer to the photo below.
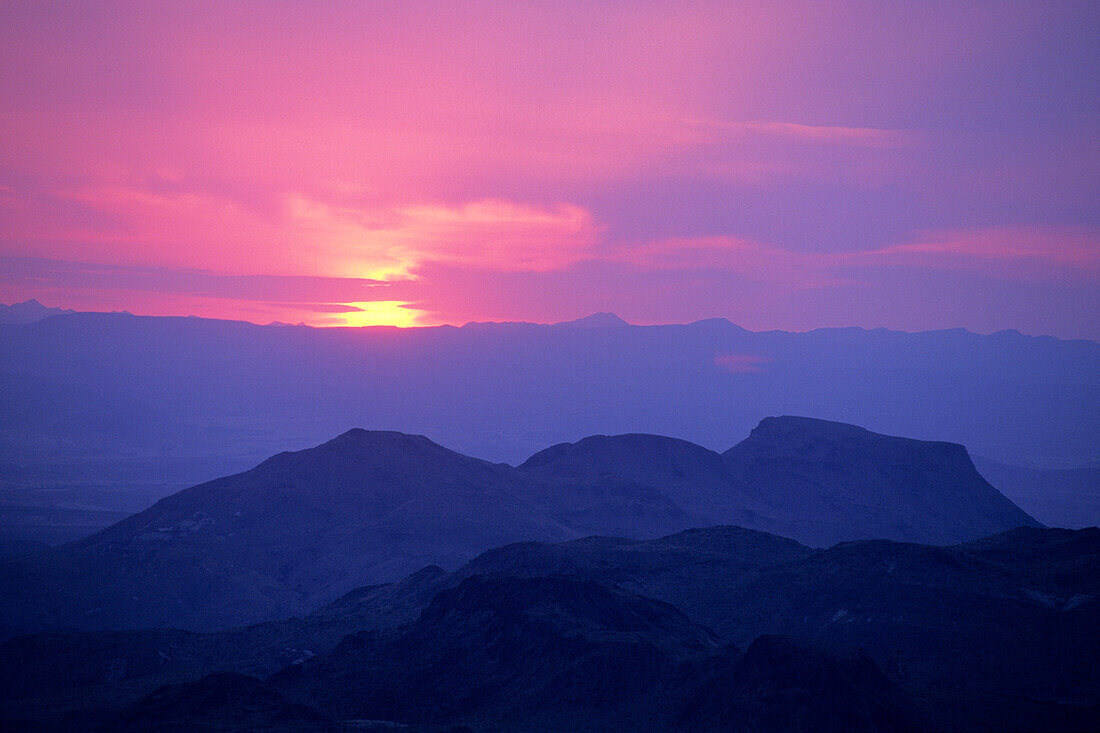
[382,313]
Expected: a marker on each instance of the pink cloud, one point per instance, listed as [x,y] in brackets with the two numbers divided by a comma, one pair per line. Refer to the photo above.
[1024,253]
[185,229]
[490,234]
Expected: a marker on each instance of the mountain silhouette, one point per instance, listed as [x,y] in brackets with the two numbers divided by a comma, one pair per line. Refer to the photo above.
[298,530]
[828,482]
[993,634]
[29,311]
[555,653]
[303,528]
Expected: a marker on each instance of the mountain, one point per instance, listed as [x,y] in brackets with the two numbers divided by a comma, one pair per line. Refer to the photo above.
[99,398]
[298,530]
[1017,612]
[828,482]
[694,570]
[994,634]
[303,528]
[816,481]
[219,702]
[782,684]
[29,311]
[552,654]
[631,484]
[1059,497]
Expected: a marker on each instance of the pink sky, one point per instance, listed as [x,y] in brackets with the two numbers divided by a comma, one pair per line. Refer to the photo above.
[784,165]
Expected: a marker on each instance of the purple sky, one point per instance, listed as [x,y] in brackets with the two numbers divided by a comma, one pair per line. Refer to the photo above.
[783,165]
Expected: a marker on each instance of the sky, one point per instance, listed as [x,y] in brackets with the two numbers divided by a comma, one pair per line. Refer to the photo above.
[913,165]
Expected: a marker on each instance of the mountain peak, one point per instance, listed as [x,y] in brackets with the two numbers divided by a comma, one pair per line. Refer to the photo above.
[805,437]
[360,442]
[596,320]
[600,452]
[28,311]
[377,448]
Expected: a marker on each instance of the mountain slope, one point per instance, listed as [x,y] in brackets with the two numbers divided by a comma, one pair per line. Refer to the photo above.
[1065,497]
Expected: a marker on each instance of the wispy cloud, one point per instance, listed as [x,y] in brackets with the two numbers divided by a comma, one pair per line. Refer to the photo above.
[1022,253]
[814,134]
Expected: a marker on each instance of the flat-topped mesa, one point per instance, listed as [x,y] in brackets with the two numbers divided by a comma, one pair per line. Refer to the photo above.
[805,440]
[841,475]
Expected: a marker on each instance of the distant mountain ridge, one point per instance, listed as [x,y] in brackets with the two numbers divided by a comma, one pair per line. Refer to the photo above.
[1006,396]
[29,311]
[305,527]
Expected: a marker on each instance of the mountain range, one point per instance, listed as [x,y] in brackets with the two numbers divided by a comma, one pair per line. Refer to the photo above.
[305,527]
[718,628]
[116,397]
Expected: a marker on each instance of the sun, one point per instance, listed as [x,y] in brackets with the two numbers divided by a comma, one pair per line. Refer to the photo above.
[382,313]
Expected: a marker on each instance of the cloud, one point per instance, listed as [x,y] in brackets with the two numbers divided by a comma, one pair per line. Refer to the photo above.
[1028,253]
[292,290]
[1023,253]
[185,229]
[490,234]
[871,137]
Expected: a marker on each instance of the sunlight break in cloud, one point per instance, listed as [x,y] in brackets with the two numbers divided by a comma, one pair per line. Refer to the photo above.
[490,234]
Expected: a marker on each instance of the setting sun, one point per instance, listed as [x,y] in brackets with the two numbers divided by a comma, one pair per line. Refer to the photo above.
[382,313]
